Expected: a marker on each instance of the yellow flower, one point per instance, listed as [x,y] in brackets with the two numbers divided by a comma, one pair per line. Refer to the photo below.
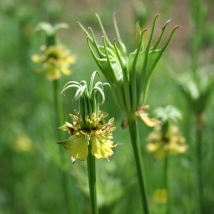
[77,145]
[172,142]
[23,144]
[98,134]
[101,141]
[160,195]
[54,59]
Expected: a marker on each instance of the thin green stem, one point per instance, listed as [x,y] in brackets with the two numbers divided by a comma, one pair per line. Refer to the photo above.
[59,121]
[199,137]
[92,181]
[138,159]
[166,183]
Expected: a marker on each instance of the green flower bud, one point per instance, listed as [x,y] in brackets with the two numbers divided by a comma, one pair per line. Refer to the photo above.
[128,75]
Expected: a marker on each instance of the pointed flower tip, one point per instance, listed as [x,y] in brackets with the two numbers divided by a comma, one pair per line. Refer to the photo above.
[157,15]
[115,40]
[108,158]
[144,30]
[164,27]
[73,160]
[118,144]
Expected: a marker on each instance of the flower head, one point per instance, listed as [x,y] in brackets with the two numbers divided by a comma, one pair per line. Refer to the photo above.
[166,139]
[88,128]
[55,59]
[162,144]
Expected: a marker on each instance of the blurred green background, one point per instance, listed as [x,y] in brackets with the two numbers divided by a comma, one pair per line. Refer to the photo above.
[30,162]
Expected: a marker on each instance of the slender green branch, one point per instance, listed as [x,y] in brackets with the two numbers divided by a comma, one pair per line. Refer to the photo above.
[59,121]
[92,181]
[199,138]
[166,183]
[138,159]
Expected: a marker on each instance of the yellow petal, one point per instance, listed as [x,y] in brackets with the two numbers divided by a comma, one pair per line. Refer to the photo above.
[67,127]
[70,59]
[66,71]
[148,121]
[151,147]
[63,128]
[176,148]
[77,146]
[36,58]
[53,74]
[101,149]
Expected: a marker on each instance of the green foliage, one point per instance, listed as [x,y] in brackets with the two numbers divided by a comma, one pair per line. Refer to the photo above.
[30,181]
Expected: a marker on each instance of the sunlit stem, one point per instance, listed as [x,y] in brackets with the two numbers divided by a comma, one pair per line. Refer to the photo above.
[92,181]
[138,159]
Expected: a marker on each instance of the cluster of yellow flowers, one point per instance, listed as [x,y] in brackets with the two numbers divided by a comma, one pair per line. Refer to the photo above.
[88,130]
[161,143]
[55,59]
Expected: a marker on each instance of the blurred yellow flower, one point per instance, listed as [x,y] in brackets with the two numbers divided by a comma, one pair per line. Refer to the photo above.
[160,195]
[23,143]
[55,60]
[161,144]
[98,133]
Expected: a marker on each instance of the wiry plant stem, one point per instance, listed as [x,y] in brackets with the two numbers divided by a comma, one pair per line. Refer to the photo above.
[138,159]
[92,181]
[166,183]
[59,121]
[199,138]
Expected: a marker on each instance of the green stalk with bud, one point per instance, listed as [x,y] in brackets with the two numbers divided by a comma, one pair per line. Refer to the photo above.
[165,140]
[55,59]
[129,76]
